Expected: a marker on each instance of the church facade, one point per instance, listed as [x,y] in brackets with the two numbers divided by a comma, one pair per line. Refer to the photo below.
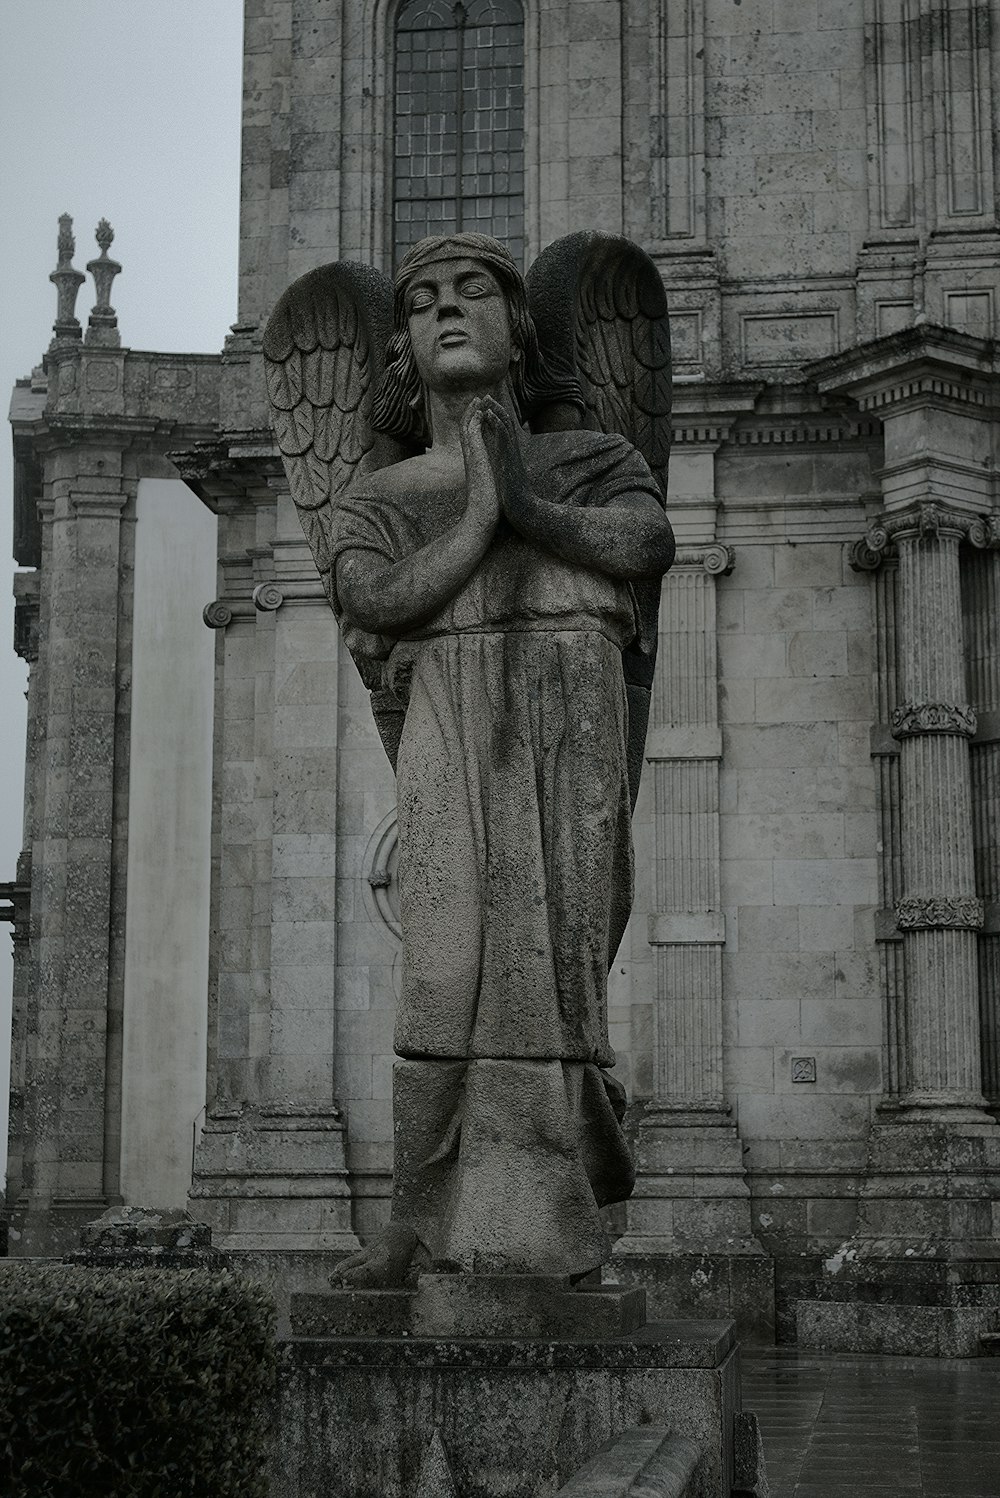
[806,1006]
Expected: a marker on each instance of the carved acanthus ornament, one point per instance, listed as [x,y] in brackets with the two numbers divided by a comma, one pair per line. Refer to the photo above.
[913,718]
[937,912]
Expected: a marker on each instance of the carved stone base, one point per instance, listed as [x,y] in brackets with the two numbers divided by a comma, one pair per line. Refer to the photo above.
[274,1177]
[921,1276]
[411,1417]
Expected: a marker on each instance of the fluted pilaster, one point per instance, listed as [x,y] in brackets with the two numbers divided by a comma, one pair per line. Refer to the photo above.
[981,598]
[687,929]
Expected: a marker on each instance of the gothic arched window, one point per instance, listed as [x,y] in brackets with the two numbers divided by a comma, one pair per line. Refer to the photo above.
[459,133]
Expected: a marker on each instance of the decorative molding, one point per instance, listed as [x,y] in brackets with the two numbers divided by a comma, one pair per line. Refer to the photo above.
[963,392]
[914,718]
[217,614]
[892,83]
[940,912]
[380,889]
[267,597]
[716,559]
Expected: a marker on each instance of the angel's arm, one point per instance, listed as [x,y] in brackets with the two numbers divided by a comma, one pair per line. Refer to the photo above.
[392,598]
[629,539]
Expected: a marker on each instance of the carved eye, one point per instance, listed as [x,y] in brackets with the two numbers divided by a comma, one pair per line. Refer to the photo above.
[421,299]
[476,288]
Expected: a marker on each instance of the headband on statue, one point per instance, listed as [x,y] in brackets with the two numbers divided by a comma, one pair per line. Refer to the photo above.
[489,252]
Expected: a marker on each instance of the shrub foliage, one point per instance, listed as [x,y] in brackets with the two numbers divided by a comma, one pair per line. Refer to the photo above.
[133,1383]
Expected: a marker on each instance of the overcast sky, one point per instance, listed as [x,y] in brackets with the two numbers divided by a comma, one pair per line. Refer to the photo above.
[127,110]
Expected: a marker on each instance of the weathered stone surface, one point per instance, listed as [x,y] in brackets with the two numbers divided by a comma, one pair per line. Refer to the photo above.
[514,1418]
[647,1460]
[169,1238]
[498,591]
[458,1305]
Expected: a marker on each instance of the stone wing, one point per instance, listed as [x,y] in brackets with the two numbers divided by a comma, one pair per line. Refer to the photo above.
[600,312]
[324,353]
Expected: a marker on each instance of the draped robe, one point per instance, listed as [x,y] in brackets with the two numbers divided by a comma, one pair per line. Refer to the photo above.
[515,873]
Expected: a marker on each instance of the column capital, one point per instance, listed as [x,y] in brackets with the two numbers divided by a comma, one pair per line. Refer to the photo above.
[924,521]
[715,559]
[913,718]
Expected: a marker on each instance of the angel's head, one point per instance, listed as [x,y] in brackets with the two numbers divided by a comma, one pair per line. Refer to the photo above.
[461,318]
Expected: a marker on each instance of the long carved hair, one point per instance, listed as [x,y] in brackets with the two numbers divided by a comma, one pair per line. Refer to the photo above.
[400,407]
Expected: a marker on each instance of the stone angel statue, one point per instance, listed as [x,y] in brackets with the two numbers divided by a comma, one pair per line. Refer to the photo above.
[479,464]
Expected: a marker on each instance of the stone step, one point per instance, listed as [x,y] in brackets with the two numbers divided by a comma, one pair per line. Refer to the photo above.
[465,1305]
[893,1328]
[646,1459]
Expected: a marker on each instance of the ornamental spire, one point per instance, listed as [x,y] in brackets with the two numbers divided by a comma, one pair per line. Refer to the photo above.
[102,328]
[67,281]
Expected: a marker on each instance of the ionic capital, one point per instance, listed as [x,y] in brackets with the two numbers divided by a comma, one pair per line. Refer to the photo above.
[926,521]
[267,597]
[717,560]
[217,614]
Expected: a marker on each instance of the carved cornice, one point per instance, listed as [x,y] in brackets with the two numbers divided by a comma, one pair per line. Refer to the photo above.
[925,521]
[940,912]
[716,559]
[914,718]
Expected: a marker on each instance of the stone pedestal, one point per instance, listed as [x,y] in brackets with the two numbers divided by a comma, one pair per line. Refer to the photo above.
[509,1414]
[274,1177]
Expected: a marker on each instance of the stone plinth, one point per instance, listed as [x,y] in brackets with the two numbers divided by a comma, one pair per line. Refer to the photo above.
[403,1417]
[463,1305]
[921,1276]
[136,1236]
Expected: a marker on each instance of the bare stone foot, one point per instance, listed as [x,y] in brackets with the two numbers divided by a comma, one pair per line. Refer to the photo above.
[382,1264]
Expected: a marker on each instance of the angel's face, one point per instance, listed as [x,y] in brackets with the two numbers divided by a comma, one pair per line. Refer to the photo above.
[459,326]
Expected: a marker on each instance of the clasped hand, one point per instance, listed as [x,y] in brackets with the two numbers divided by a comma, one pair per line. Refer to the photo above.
[496,479]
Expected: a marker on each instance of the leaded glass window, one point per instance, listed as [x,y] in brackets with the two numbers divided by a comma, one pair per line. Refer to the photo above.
[459,136]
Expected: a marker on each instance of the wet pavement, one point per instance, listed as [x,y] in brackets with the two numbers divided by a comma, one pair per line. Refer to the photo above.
[846,1427]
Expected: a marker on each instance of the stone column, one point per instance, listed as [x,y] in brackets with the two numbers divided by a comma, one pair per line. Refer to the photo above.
[922,1273]
[939,912]
[689,1236]
[67,1174]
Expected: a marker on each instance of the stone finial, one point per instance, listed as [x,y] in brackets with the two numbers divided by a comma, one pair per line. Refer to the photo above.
[102,327]
[67,281]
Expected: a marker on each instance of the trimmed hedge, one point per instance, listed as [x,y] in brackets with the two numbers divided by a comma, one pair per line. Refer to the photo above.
[133,1383]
